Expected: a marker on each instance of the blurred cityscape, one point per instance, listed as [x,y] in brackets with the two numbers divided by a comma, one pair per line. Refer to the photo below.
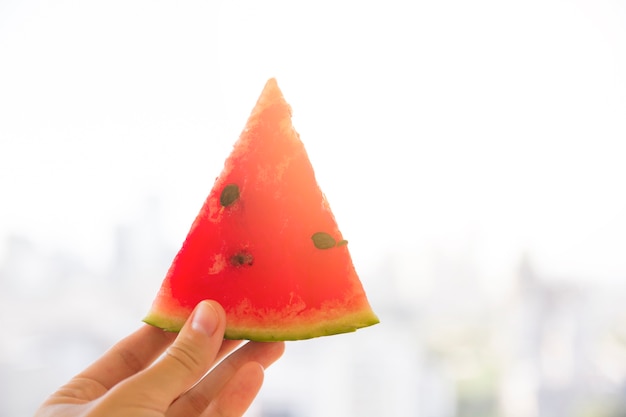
[547,347]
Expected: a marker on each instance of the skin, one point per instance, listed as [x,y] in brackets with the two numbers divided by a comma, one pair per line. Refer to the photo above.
[152,373]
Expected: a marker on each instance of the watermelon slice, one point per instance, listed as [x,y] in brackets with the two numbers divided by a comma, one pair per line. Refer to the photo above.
[265,244]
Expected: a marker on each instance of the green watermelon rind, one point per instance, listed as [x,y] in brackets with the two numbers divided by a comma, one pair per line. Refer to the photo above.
[346,323]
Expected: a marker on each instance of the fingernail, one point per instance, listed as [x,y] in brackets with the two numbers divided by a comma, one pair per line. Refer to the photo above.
[205,318]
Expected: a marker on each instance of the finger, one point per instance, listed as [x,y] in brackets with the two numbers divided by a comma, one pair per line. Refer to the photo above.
[127,357]
[227,347]
[183,364]
[238,393]
[265,353]
[198,398]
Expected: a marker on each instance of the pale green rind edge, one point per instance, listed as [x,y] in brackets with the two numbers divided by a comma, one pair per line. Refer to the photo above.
[346,324]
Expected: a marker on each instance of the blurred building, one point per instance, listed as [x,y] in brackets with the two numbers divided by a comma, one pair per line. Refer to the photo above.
[553,336]
[548,348]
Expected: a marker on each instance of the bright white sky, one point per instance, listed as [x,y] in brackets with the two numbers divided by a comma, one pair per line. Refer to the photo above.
[479,127]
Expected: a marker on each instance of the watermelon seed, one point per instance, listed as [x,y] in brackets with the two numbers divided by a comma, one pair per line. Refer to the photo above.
[323,240]
[229,195]
[342,242]
[242,259]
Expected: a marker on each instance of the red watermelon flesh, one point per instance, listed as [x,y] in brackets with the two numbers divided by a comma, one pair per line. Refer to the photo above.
[265,244]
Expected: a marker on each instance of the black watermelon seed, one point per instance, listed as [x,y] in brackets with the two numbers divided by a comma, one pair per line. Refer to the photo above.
[323,240]
[242,259]
[229,195]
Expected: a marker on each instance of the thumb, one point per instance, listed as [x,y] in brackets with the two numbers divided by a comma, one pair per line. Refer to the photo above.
[190,356]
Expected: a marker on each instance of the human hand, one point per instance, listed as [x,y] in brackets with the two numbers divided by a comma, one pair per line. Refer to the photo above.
[129,381]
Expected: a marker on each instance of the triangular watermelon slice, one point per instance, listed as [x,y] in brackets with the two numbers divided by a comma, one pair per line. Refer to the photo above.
[265,244]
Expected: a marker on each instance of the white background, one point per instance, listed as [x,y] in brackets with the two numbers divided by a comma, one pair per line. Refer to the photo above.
[500,124]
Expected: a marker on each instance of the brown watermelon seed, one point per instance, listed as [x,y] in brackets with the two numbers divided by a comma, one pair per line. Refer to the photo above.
[229,195]
[342,242]
[242,259]
[323,240]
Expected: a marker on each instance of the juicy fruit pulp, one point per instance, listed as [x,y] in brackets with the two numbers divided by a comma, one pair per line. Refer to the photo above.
[265,244]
